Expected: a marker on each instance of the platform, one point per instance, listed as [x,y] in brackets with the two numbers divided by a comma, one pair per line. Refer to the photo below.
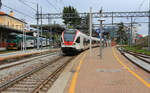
[16,54]
[111,74]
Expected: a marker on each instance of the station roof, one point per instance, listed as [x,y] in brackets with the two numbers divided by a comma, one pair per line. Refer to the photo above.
[4,14]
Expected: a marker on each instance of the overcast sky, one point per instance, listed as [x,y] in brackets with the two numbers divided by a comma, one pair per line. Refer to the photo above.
[55,6]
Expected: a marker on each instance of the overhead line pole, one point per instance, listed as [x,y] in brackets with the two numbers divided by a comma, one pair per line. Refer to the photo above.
[100,33]
[112,25]
[42,28]
[149,29]
[49,23]
[90,17]
[38,26]
[131,33]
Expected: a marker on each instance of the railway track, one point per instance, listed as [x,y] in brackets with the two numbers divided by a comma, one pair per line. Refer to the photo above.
[143,57]
[141,60]
[38,79]
[12,64]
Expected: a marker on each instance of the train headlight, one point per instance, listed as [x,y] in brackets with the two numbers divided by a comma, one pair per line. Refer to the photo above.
[74,43]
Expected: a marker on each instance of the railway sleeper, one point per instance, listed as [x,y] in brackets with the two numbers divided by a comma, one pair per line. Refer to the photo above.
[24,86]
[27,83]
[18,90]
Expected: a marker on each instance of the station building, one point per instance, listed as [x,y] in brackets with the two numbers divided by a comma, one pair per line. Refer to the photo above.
[9,24]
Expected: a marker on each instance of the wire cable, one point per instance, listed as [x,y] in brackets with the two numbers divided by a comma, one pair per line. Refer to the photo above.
[139,8]
[141,4]
[27,5]
[18,11]
[98,4]
[52,5]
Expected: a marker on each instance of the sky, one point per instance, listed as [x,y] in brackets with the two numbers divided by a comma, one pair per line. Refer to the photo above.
[56,6]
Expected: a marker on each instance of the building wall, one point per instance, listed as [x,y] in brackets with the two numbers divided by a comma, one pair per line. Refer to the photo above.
[134,34]
[12,23]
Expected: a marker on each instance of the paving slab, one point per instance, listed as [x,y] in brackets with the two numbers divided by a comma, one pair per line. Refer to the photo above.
[106,75]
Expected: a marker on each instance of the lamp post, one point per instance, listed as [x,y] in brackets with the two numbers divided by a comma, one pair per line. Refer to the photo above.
[0,4]
[100,34]
[42,29]
[149,29]
[90,29]
[101,29]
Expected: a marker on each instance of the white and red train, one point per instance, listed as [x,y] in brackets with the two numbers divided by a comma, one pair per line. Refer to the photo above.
[73,41]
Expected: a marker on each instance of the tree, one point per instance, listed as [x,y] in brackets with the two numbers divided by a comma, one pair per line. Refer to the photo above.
[122,36]
[55,28]
[0,4]
[71,16]
[84,24]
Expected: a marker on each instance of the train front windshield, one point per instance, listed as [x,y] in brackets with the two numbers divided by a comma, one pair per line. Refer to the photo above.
[69,35]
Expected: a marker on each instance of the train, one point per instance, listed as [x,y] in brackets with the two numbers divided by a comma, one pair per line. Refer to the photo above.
[74,41]
[15,41]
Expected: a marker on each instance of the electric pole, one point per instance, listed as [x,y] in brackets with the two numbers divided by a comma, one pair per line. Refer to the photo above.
[49,22]
[90,21]
[112,25]
[41,28]
[101,30]
[149,29]
[0,4]
[38,42]
[131,33]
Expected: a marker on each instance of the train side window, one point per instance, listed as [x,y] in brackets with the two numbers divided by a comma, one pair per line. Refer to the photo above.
[78,40]
[61,40]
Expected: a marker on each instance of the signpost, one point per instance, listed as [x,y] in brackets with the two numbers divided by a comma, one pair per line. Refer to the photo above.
[101,29]
[90,31]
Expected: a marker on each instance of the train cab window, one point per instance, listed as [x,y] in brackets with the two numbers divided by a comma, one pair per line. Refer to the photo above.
[69,35]
[78,40]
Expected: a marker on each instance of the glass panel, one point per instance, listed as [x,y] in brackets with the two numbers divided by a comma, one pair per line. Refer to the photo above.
[69,35]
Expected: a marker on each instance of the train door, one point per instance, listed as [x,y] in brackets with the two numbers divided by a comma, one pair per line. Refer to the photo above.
[78,45]
[81,42]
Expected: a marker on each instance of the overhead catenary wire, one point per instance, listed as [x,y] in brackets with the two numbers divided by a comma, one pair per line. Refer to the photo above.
[99,4]
[142,3]
[139,8]
[27,5]
[56,3]
[63,4]
[18,11]
[52,5]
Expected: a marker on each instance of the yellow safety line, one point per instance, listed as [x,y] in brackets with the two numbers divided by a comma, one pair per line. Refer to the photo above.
[73,83]
[129,70]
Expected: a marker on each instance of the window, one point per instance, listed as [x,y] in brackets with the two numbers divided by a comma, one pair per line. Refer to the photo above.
[78,40]
[69,35]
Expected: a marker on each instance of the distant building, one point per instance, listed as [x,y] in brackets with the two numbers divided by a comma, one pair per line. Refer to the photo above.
[8,24]
[134,34]
[11,22]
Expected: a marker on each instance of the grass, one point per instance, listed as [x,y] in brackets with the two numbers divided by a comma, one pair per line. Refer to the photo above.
[135,49]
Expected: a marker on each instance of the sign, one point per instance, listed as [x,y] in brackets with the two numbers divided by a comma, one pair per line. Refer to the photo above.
[98,31]
[99,35]
[34,34]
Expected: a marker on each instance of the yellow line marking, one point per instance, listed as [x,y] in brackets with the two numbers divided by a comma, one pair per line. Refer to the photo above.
[129,70]
[73,83]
